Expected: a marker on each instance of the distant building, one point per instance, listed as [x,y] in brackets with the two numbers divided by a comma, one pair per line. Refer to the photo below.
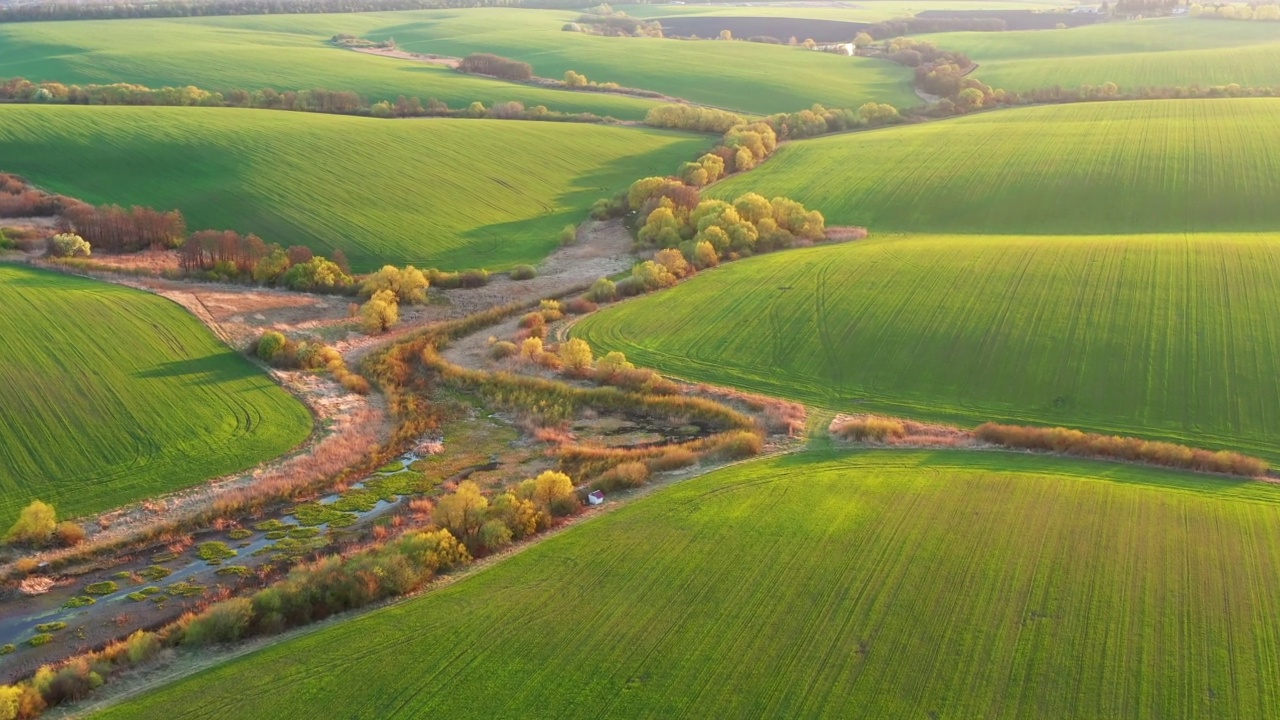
[596,498]
[837,48]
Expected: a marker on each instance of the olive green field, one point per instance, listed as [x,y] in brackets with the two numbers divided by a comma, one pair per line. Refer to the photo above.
[112,396]
[874,584]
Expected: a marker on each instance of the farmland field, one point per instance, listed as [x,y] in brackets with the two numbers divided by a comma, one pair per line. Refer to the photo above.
[111,395]
[1164,336]
[441,193]
[289,52]
[890,584]
[1097,168]
[1160,53]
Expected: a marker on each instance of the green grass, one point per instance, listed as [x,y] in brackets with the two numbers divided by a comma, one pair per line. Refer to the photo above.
[1158,336]
[111,396]
[283,52]
[1118,167]
[289,52]
[1158,53]
[437,193]
[890,584]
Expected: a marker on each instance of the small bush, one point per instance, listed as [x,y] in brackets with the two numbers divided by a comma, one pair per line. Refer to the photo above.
[215,552]
[502,350]
[67,245]
[69,534]
[142,646]
[673,458]
[106,587]
[602,291]
[34,526]
[523,272]
[79,602]
[626,475]
[568,235]
[737,445]
[41,639]
[51,627]
[8,649]
[240,534]
[872,428]
[474,278]
[580,306]
[270,345]
[224,622]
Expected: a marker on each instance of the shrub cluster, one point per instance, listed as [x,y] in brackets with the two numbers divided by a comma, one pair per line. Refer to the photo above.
[692,117]
[226,255]
[338,102]
[496,66]
[1075,442]
[37,526]
[604,20]
[276,350]
[709,231]
[485,525]
[67,245]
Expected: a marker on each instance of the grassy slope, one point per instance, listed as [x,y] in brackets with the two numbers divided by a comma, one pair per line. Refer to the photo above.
[1159,336]
[282,52]
[1162,52]
[288,52]
[892,584]
[112,395]
[1155,166]
[444,193]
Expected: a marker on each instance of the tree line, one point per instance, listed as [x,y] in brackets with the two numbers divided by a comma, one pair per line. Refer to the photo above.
[338,102]
[817,120]
[207,8]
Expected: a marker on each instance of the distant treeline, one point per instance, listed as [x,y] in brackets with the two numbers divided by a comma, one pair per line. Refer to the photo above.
[181,8]
[338,102]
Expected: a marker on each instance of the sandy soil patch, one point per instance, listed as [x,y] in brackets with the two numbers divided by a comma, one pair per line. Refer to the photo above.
[449,62]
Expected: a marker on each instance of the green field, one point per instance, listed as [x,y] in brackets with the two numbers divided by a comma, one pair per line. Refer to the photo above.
[290,52]
[1116,167]
[112,395]
[1158,53]
[287,52]
[437,193]
[1160,336]
[887,584]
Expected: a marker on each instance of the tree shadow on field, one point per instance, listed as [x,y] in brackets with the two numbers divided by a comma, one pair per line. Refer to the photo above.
[208,370]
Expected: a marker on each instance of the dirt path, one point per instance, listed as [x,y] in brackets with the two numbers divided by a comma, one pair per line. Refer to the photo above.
[602,248]
[449,62]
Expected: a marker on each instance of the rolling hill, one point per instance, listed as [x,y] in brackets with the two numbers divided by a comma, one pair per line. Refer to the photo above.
[891,584]
[437,193]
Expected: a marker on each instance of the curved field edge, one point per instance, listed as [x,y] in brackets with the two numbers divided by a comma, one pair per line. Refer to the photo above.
[113,395]
[1093,168]
[824,585]
[453,194]
[1164,337]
